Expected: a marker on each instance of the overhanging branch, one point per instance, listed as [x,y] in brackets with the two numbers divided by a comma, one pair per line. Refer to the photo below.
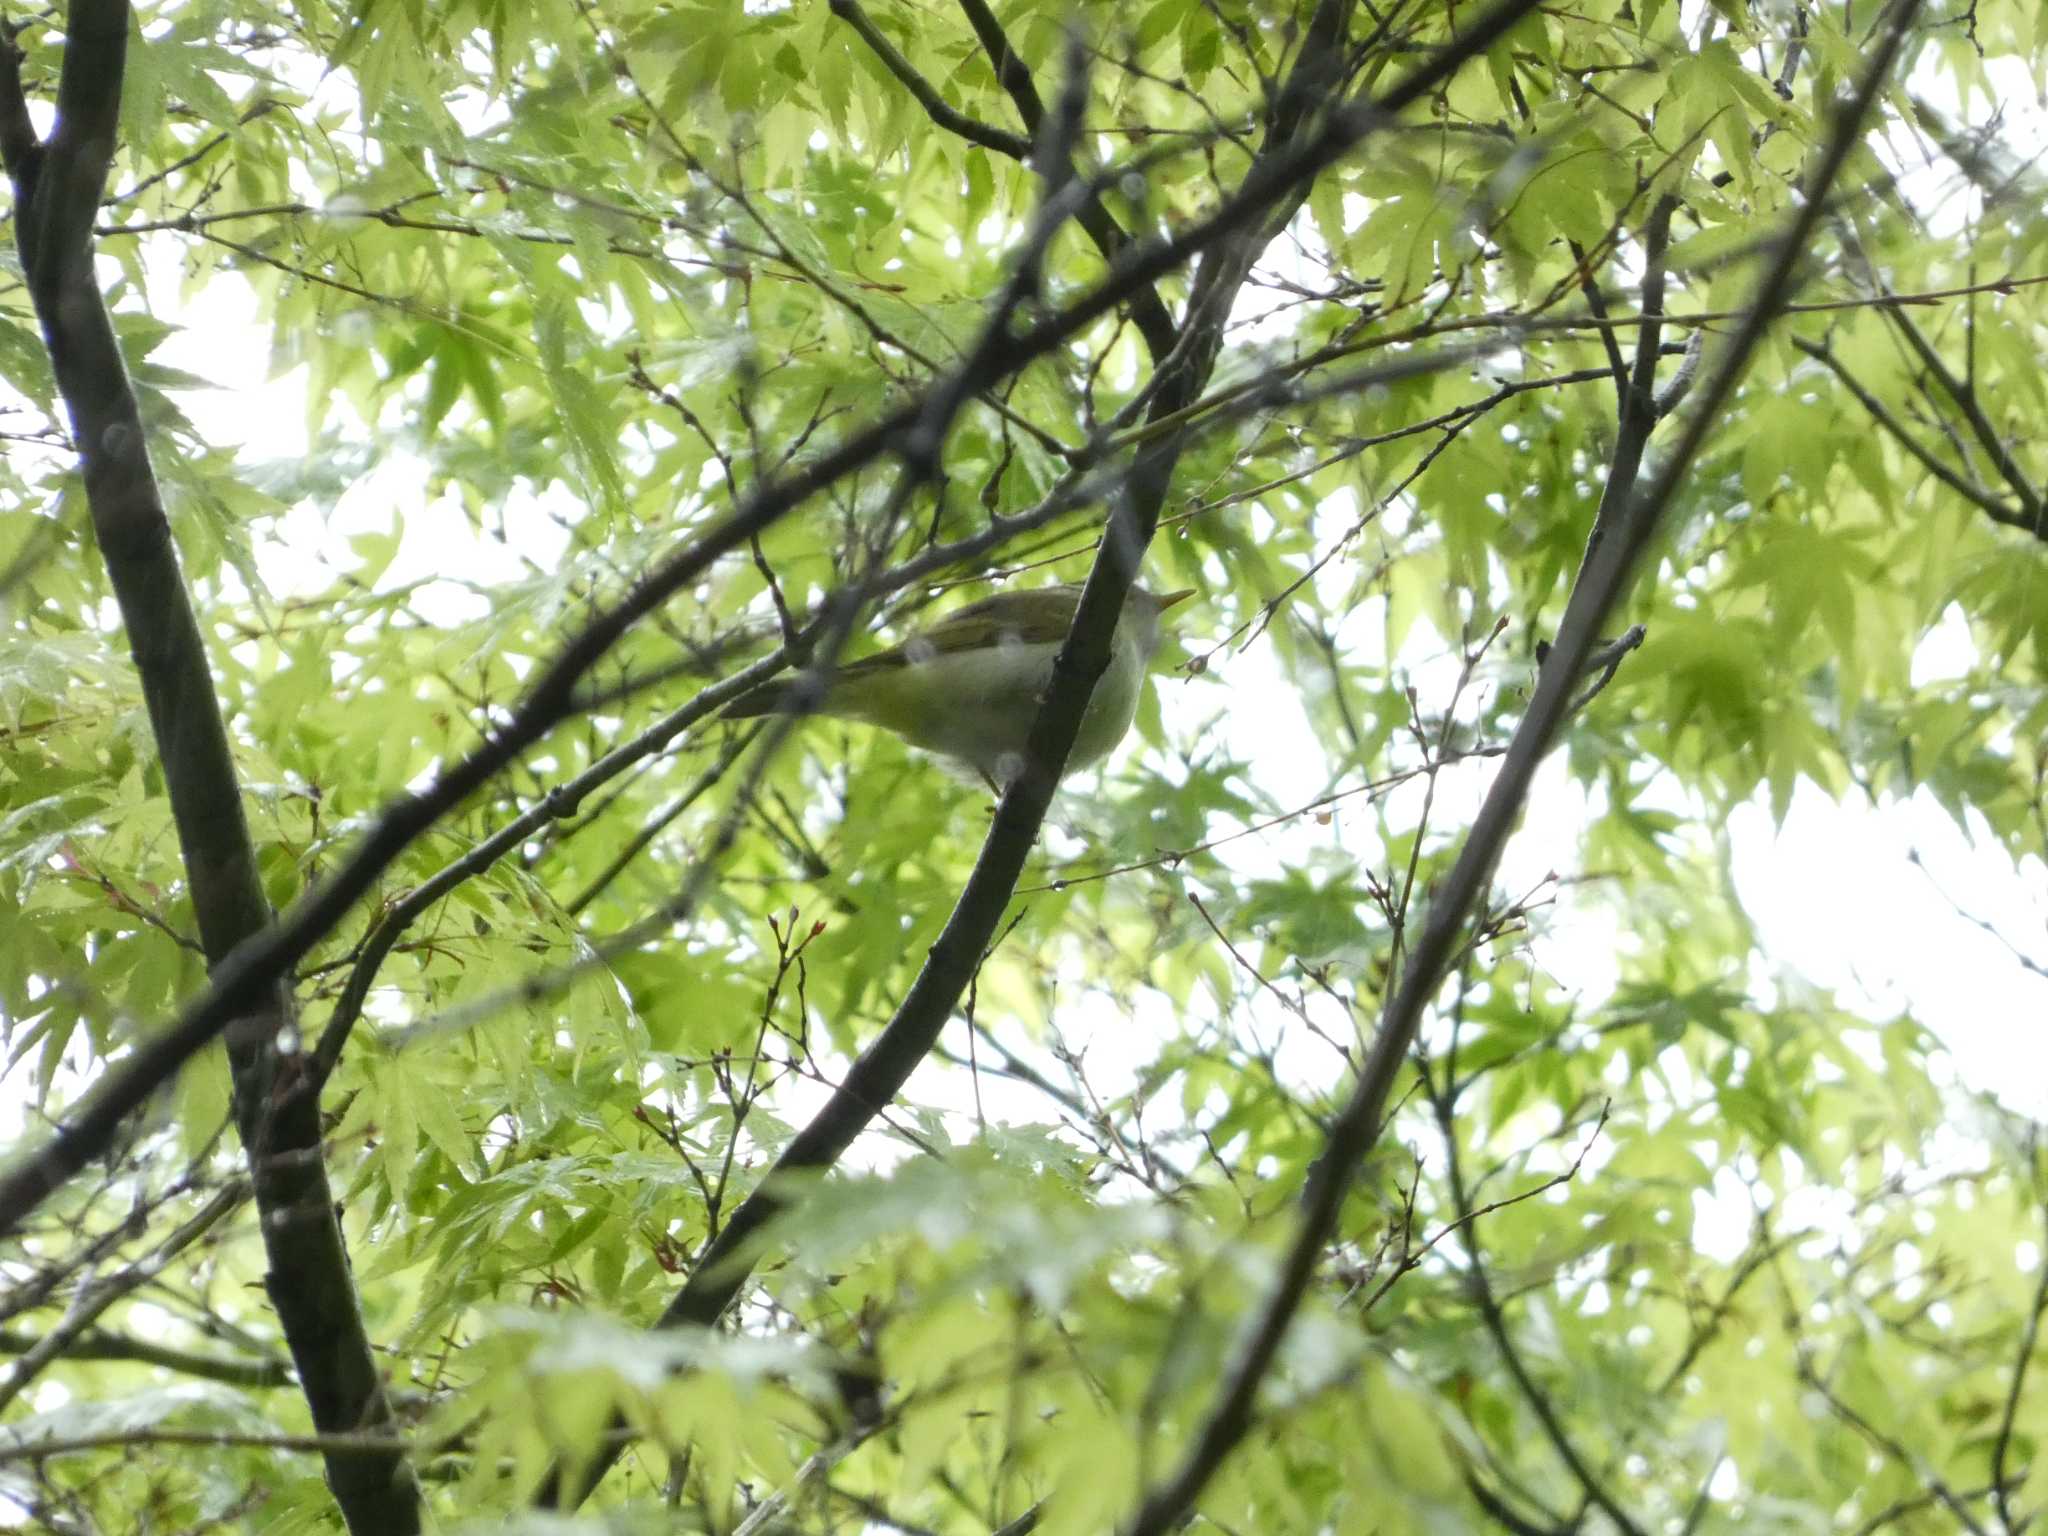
[240,982]
[1282,173]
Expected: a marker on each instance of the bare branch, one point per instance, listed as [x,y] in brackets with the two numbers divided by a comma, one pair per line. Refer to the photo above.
[883,1068]
[58,187]
[1600,584]
[950,118]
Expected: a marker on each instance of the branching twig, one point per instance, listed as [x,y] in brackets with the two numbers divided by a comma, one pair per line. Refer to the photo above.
[1600,583]
[58,184]
[92,1304]
[2023,1358]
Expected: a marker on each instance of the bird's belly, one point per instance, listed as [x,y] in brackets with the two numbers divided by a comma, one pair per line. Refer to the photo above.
[990,701]
[1111,708]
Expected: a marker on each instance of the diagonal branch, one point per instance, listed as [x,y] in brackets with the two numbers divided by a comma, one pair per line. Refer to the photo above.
[2030,1338]
[94,1299]
[1600,584]
[1638,415]
[936,107]
[1148,313]
[885,1066]
[1964,397]
[238,984]
[1887,419]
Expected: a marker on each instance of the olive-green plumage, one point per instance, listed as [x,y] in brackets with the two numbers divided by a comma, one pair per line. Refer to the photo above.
[969,687]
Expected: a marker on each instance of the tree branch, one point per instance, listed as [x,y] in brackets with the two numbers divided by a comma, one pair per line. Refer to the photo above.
[238,983]
[1964,397]
[2030,1338]
[96,1297]
[1888,420]
[97,1344]
[1490,1313]
[1601,582]
[1001,140]
[57,191]
[1147,311]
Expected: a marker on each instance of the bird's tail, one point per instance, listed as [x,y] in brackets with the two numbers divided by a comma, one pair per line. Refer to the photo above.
[768,699]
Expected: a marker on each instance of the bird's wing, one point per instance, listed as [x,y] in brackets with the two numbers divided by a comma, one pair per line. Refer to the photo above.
[976,625]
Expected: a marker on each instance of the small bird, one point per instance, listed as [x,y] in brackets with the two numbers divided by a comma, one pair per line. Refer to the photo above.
[969,687]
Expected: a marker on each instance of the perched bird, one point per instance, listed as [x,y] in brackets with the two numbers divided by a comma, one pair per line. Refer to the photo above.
[968,688]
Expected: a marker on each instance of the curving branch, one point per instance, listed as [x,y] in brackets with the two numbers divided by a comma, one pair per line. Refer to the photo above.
[1237,232]
[1147,311]
[58,184]
[1605,576]
[240,982]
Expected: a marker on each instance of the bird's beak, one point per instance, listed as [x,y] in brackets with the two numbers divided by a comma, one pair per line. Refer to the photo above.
[1171,598]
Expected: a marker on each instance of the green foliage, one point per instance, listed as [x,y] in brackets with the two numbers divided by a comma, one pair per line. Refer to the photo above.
[1657,1225]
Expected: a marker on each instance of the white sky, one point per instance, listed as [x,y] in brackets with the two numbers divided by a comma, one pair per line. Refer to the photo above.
[1834,894]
